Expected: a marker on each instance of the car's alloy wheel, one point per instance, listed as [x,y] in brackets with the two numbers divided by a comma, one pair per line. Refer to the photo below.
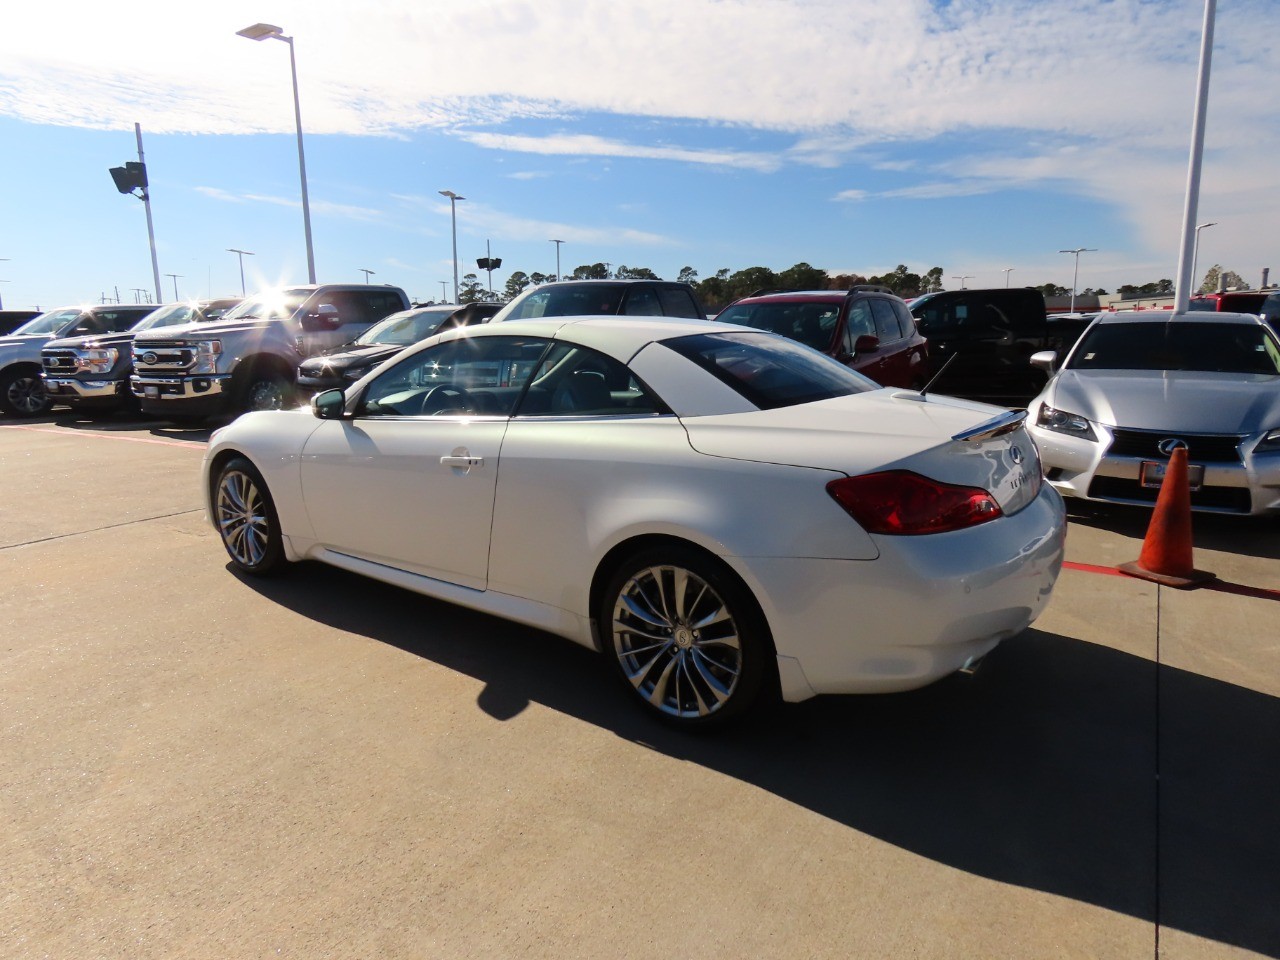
[24,395]
[269,393]
[246,519]
[685,637]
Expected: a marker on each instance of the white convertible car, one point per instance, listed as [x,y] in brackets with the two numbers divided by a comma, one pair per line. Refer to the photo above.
[722,512]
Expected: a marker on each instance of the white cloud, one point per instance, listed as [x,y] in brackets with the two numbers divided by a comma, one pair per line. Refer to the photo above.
[322,207]
[585,145]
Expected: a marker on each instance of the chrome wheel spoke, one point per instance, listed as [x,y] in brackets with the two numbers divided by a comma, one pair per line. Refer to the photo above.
[242,519]
[645,613]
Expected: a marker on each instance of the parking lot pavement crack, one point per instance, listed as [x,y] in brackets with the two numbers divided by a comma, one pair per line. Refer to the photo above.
[108,526]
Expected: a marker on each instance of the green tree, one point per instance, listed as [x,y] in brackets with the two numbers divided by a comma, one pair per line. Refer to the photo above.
[538,279]
[594,271]
[1052,290]
[471,289]
[687,275]
[748,281]
[515,285]
[932,280]
[635,273]
[802,276]
[714,291]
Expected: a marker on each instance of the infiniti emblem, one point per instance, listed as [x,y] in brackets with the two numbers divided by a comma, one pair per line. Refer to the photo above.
[149,357]
[1015,454]
[1168,446]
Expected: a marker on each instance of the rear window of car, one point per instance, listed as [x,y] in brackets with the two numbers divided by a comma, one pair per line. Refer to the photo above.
[678,302]
[812,323]
[1178,345]
[554,300]
[770,371]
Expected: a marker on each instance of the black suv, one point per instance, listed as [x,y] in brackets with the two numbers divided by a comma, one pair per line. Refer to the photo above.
[593,298]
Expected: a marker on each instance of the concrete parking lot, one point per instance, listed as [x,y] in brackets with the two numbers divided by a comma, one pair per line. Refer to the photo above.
[198,765]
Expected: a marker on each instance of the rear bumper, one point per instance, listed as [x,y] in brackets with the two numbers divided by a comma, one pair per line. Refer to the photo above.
[918,612]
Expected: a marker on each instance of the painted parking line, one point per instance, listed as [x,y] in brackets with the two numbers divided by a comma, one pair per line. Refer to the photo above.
[1221,586]
[61,432]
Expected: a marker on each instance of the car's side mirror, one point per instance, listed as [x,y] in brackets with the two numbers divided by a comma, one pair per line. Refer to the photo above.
[326,317]
[1045,360]
[866,344]
[329,405]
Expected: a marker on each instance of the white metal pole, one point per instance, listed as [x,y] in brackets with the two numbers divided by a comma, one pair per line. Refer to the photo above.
[146,202]
[302,165]
[1186,256]
[453,220]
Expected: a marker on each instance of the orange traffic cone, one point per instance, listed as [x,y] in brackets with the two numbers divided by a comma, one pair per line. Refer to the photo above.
[1166,549]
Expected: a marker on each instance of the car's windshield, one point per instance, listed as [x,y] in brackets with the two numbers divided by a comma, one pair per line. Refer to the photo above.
[565,300]
[168,316]
[1178,345]
[50,322]
[813,324]
[275,304]
[405,328]
[770,371]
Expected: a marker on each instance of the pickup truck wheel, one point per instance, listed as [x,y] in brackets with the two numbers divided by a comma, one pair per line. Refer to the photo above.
[246,519]
[267,391]
[22,393]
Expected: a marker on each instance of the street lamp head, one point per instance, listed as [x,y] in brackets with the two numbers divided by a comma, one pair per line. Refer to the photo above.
[260,31]
[451,195]
[1203,225]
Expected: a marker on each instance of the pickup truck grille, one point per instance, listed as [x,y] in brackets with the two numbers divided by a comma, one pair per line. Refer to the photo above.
[59,362]
[1201,448]
[162,357]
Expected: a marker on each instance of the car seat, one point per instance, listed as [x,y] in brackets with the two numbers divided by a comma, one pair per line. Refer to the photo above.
[581,390]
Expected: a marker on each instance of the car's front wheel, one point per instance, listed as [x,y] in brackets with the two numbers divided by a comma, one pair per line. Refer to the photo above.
[247,520]
[22,392]
[686,635]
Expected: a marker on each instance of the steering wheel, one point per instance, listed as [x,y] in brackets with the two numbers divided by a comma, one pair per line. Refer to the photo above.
[445,391]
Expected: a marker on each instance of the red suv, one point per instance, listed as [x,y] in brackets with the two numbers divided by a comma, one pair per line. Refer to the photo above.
[866,328]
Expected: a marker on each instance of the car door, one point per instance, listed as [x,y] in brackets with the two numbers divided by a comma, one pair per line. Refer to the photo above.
[409,480]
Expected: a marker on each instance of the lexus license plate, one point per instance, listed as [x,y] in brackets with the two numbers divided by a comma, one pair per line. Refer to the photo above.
[1153,474]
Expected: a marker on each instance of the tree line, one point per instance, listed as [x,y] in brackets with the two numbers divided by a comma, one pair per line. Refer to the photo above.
[723,287]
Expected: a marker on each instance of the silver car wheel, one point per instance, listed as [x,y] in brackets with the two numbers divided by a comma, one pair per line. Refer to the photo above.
[677,641]
[242,518]
[266,395]
[27,396]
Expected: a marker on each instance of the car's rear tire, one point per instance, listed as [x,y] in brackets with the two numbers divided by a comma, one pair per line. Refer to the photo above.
[246,519]
[22,392]
[685,635]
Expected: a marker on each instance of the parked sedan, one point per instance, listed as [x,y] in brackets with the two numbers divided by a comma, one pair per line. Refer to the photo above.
[384,339]
[1136,386]
[722,512]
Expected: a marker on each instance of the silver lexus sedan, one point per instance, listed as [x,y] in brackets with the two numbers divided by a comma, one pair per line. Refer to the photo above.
[1136,386]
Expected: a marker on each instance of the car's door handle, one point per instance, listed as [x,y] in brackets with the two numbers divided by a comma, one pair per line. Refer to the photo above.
[462,461]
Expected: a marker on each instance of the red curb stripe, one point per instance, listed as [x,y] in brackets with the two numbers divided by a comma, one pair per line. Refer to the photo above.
[104,436]
[1222,586]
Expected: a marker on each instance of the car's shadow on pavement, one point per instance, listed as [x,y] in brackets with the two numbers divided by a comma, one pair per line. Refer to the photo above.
[1248,536]
[1041,771]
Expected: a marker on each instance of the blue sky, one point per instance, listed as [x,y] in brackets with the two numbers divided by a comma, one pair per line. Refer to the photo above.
[715,134]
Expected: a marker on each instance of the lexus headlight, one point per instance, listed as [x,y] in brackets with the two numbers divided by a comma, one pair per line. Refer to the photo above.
[1060,421]
[207,353]
[97,361]
[1269,444]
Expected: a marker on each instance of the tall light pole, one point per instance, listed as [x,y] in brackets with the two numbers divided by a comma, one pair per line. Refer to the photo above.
[444,294]
[962,280]
[367,273]
[265,31]
[453,217]
[1075,276]
[176,277]
[557,243]
[1182,291]
[241,254]
[1195,255]
[1007,271]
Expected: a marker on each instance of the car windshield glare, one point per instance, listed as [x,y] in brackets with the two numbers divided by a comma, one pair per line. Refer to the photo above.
[167,316]
[1178,346]
[768,370]
[48,322]
[402,329]
[277,304]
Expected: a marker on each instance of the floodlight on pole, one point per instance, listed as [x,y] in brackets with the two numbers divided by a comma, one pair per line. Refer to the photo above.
[557,243]
[962,280]
[444,294]
[453,218]
[266,31]
[1195,254]
[1075,276]
[176,277]
[367,273]
[1007,271]
[241,254]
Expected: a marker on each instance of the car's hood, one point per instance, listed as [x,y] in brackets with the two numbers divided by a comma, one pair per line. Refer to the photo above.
[353,357]
[25,340]
[881,430]
[206,329]
[90,343]
[1193,402]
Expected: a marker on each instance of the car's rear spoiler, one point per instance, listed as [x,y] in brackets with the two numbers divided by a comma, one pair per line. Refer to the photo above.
[995,427]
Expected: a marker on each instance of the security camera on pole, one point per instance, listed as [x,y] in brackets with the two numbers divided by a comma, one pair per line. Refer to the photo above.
[490,263]
[133,176]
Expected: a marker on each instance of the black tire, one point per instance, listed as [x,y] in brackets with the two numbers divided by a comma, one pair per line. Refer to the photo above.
[245,516]
[265,390]
[685,635]
[22,393]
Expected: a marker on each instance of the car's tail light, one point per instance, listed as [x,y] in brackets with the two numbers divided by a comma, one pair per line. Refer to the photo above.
[904,503]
